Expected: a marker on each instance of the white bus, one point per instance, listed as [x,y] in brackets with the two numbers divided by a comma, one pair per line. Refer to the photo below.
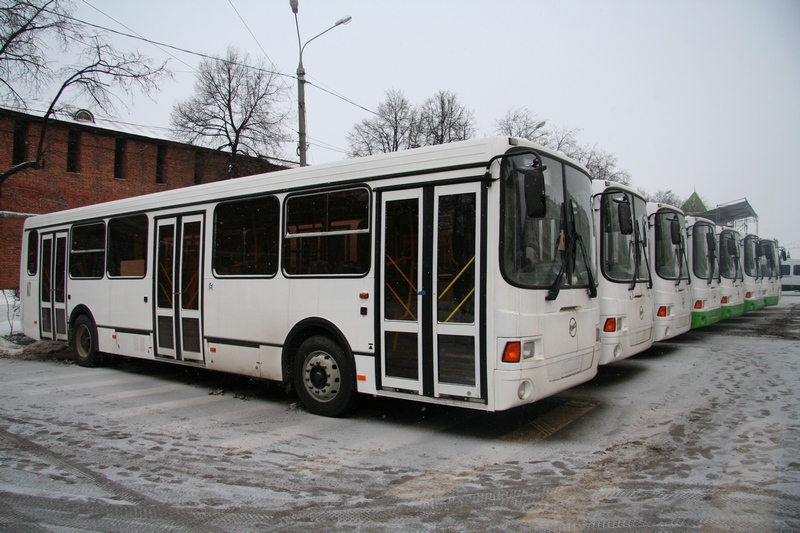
[706,293]
[457,274]
[731,279]
[753,289]
[624,283]
[771,271]
[672,297]
[790,275]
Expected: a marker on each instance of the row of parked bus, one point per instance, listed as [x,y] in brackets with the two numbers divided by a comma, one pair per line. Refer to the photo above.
[664,273]
[485,274]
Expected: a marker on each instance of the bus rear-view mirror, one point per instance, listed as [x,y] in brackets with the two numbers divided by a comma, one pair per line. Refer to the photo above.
[624,217]
[675,231]
[535,193]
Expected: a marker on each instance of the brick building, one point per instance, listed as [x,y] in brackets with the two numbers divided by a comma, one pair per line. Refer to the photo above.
[87,161]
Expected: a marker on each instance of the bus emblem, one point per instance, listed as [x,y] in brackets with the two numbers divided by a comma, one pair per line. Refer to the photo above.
[573,327]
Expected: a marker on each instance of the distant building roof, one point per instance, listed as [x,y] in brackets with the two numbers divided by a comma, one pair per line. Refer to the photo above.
[694,205]
[730,212]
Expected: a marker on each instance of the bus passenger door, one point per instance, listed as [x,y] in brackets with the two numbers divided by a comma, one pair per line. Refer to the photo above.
[430,264]
[456,267]
[178,292]
[52,292]
[401,331]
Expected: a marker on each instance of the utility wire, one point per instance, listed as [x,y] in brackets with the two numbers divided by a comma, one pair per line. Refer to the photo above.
[206,56]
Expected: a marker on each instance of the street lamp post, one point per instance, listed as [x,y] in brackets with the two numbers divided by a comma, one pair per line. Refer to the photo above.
[301,80]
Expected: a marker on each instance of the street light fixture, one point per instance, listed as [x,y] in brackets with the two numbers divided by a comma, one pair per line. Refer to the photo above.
[301,80]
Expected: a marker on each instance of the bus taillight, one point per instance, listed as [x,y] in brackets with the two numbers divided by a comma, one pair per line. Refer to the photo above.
[610,325]
[513,352]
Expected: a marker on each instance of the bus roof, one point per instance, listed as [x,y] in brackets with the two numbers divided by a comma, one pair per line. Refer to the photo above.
[452,156]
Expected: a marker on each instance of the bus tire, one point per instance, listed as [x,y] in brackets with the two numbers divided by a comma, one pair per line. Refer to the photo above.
[83,341]
[324,377]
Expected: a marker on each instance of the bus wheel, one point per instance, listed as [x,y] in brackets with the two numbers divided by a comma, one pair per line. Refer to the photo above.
[83,341]
[324,377]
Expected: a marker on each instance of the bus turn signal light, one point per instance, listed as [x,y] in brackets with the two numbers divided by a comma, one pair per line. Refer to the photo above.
[724,300]
[662,311]
[610,325]
[513,352]
[698,304]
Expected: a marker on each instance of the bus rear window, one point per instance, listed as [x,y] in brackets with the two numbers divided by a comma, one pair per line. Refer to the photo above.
[327,233]
[87,251]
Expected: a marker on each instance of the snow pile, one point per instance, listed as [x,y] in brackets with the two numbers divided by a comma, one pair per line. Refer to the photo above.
[10,322]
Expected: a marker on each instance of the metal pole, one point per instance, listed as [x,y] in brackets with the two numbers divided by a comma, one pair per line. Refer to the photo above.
[301,82]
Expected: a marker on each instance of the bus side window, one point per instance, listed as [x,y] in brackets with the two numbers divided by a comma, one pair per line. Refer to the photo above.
[33,252]
[327,233]
[127,246]
[246,234]
[87,251]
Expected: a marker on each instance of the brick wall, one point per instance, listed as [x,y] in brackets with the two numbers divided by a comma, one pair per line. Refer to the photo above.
[10,245]
[53,188]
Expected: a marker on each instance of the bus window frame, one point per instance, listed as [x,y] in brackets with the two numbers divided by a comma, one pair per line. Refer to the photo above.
[287,236]
[102,250]
[215,242]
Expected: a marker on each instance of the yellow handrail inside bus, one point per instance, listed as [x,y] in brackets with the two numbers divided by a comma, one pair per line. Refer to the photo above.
[408,310]
[397,267]
[471,292]
[166,292]
[458,276]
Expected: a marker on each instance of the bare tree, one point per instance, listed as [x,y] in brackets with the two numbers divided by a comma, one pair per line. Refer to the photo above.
[442,119]
[522,122]
[235,107]
[602,165]
[563,139]
[99,75]
[396,127]
[25,27]
[663,197]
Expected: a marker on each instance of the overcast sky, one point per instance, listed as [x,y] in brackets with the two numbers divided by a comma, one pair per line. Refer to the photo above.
[688,94]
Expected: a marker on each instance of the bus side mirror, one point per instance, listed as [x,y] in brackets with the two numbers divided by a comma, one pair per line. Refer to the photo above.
[711,242]
[535,204]
[759,250]
[731,247]
[783,254]
[625,219]
[675,231]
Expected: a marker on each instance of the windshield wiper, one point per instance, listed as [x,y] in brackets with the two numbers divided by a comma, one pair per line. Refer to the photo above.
[555,288]
[568,255]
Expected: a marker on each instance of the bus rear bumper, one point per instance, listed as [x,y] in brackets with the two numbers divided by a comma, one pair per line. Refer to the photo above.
[513,388]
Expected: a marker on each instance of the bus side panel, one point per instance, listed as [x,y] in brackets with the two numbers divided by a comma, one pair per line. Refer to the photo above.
[130,305]
[94,295]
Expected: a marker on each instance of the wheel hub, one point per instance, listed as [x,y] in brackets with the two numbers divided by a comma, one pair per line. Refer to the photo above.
[321,376]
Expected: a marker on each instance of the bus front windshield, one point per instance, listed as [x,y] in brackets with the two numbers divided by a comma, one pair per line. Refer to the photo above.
[669,254]
[769,259]
[728,256]
[540,252]
[623,245]
[751,257]
[704,251]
